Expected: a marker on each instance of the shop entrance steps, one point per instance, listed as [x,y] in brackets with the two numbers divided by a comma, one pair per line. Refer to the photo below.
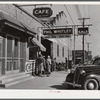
[9,80]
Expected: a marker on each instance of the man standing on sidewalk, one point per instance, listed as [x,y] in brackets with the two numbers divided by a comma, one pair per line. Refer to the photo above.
[66,64]
[39,63]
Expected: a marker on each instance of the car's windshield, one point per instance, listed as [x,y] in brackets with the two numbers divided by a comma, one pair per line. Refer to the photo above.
[96,61]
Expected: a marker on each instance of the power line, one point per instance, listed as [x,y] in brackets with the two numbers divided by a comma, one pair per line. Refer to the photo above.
[96,29]
[16,5]
[34,5]
[78,12]
[84,10]
[69,14]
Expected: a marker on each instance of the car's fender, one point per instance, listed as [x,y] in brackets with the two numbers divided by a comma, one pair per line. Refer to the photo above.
[69,77]
[92,76]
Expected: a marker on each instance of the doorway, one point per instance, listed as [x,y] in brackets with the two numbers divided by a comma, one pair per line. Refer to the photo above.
[12,65]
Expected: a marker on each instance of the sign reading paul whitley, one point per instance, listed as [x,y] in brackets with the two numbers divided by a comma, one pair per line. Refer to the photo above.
[42,12]
[59,32]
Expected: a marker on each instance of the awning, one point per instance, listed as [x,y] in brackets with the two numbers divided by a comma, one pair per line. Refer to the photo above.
[29,30]
[61,41]
[53,40]
[36,42]
[6,19]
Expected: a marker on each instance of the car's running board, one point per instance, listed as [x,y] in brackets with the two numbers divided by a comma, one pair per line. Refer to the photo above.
[73,84]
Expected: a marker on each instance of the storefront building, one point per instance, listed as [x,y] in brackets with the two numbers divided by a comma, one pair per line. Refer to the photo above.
[13,44]
[56,48]
[15,32]
[79,56]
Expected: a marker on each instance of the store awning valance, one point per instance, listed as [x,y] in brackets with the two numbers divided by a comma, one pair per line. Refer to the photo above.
[53,40]
[7,20]
[36,42]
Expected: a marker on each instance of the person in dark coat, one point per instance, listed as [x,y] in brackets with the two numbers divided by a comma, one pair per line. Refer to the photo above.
[54,64]
[39,63]
[48,68]
[44,65]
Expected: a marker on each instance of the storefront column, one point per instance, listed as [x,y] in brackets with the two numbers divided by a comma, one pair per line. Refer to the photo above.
[4,71]
[19,57]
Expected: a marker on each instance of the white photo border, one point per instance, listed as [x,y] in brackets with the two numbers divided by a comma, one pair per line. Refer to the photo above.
[49,94]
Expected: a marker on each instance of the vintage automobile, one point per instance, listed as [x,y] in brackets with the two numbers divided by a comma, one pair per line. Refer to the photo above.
[85,76]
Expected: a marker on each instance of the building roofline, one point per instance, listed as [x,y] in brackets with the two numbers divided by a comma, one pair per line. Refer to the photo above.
[28,13]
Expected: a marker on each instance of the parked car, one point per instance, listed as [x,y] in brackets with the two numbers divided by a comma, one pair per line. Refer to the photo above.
[85,76]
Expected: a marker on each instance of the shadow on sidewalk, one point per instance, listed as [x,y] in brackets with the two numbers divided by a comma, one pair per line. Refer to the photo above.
[60,87]
[63,87]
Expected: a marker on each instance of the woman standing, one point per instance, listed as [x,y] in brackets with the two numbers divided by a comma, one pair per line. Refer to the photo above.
[48,66]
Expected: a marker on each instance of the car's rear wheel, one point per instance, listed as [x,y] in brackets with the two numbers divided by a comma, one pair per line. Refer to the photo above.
[91,84]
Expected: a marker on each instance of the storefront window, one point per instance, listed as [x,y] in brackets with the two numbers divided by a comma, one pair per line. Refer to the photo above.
[1,39]
[22,54]
[22,49]
[62,51]
[2,52]
[15,47]
[57,50]
[9,46]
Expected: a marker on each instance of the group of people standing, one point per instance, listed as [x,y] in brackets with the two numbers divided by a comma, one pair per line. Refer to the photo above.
[44,66]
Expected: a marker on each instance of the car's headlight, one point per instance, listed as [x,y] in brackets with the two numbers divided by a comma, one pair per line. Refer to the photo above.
[82,71]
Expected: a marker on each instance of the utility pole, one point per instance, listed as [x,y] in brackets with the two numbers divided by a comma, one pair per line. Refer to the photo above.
[74,27]
[83,24]
[74,47]
[88,44]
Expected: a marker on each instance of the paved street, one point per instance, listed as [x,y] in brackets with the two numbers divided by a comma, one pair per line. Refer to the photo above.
[54,81]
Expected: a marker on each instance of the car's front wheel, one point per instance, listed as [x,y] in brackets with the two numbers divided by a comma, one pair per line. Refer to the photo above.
[91,84]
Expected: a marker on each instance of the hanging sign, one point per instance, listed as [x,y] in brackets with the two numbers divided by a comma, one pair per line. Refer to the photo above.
[42,12]
[83,31]
[58,33]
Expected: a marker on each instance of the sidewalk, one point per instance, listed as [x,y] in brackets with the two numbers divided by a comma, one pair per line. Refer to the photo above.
[56,78]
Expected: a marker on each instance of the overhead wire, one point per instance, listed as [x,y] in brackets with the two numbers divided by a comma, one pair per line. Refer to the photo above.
[96,29]
[78,12]
[69,14]
[71,20]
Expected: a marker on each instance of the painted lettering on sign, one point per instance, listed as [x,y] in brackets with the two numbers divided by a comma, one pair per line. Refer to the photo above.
[83,31]
[30,66]
[42,12]
[57,31]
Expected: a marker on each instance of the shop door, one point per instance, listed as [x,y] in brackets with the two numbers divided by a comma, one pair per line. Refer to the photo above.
[16,56]
[12,65]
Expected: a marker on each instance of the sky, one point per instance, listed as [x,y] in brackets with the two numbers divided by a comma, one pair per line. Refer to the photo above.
[73,12]
[93,12]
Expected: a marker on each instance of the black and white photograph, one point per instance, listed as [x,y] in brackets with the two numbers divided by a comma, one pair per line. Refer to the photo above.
[50,46]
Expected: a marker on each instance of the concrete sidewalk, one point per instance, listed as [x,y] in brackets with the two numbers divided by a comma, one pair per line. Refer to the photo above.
[55,79]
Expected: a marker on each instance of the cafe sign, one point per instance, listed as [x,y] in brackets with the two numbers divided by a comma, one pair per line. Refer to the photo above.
[42,12]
